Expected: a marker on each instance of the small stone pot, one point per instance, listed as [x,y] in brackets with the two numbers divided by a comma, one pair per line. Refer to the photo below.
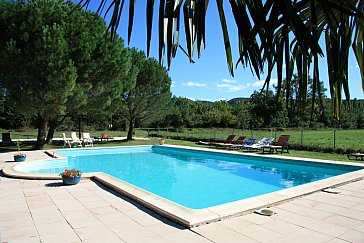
[20,158]
[71,180]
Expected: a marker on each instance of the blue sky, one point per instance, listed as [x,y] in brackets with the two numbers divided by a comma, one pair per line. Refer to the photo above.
[208,78]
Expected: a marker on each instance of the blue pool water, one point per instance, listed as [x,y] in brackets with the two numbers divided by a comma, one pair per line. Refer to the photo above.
[194,179]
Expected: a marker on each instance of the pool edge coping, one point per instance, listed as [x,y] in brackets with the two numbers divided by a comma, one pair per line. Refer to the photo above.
[195,217]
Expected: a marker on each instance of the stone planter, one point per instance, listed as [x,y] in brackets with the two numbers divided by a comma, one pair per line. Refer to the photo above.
[71,180]
[20,158]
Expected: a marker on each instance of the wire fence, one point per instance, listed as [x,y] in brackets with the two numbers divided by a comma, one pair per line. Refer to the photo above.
[325,138]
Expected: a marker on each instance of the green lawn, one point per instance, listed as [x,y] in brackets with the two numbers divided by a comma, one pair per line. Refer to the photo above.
[154,141]
[345,139]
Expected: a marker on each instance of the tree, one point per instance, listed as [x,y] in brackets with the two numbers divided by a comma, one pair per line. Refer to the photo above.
[150,95]
[183,112]
[270,33]
[266,111]
[54,64]
[242,113]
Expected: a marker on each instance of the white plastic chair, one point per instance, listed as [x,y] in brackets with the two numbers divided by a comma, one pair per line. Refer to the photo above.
[66,141]
[75,140]
[87,140]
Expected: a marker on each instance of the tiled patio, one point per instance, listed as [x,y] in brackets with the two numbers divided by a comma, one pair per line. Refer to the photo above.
[46,211]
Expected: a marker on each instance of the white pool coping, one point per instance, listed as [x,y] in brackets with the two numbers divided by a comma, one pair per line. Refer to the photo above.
[195,217]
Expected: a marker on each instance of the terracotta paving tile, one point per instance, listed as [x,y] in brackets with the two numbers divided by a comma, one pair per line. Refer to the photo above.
[299,220]
[60,237]
[281,227]
[165,228]
[360,228]
[53,228]
[130,231]
[351,213]
[144,218]
[257,219]
[344,221]
[359,207]
[220,233]
[237,224]
[66,205]
[13,205]
[352,236]
[83,199]
[19,233]
[8,216]
[109,219]
[103,210]
[46,215]
[328,228]
[260,233]
[95,204]
[39,202]
[304,236]
[337,240]
[305,211]
[97,232]
[325,207]
[81,218]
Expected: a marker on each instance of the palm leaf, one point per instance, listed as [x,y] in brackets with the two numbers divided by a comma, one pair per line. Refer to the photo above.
[229,58]
[131,18]
[149,12]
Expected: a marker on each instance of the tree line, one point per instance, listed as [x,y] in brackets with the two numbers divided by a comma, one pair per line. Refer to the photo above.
[56,64]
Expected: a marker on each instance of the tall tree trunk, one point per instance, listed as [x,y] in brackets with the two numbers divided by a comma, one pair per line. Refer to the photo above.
[42,128]
[131,129]
[52,127]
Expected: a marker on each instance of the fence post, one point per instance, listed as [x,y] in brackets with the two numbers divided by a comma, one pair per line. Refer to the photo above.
[334,138]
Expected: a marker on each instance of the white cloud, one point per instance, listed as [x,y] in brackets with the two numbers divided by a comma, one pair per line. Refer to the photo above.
[231,87]
[260,83]
[218,99]
[284,66]
[357,65]
[173,84]
[229,81]
[194,84]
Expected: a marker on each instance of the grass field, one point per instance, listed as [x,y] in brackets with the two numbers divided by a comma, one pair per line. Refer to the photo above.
[154,141]
[345,139]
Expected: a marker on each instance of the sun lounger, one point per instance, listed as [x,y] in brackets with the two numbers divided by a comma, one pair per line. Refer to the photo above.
[248,142]
[281,144]
[356,156]
[229,141]
[204,143]
[259,144]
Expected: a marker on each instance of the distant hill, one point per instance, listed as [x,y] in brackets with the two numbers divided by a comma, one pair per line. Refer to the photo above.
[235,100]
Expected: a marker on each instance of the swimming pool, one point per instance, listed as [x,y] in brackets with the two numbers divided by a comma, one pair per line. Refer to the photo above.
[192,178]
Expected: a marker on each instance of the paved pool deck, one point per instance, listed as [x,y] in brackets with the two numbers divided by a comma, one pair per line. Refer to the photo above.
[47,211]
